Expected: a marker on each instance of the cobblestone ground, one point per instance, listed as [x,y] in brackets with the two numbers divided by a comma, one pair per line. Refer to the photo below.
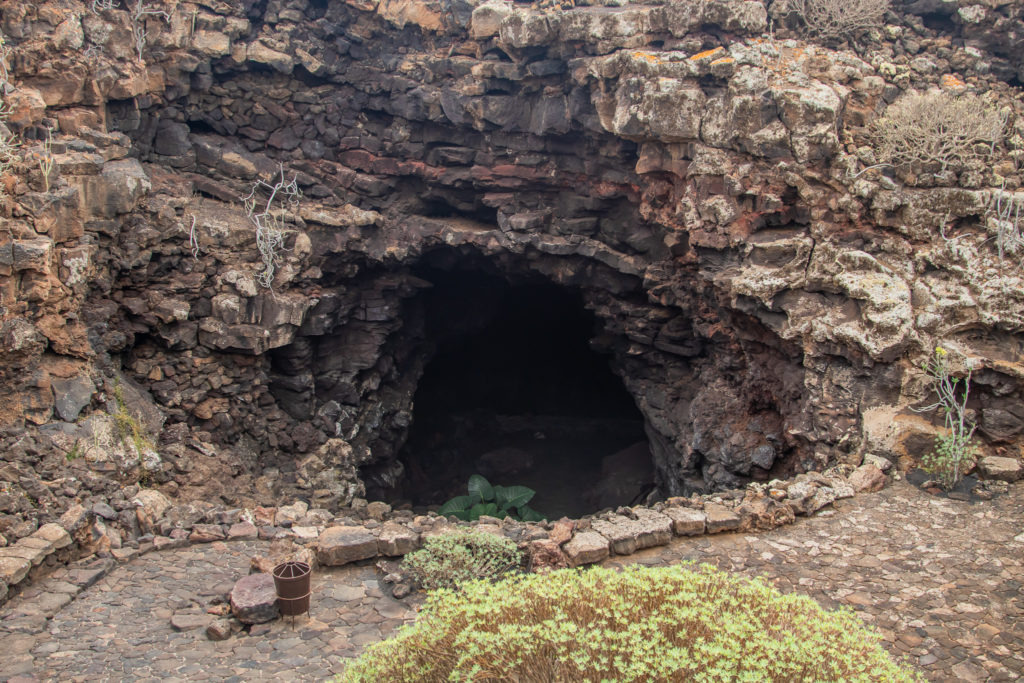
[119,629]
[941,579]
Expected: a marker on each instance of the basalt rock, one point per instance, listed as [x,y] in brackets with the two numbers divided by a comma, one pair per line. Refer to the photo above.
[765,292]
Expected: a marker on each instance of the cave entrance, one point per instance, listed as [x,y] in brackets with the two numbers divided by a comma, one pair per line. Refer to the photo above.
[512,390]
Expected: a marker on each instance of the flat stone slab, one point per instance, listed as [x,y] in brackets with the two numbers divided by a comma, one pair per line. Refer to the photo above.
[206,533]
[586,547]
[55,534]
[243,531]
[13,569]
[254,599]
[1003,469]
[686,521]
[190,622]
[720,518]
[629,535]
[340,545]
[25,551]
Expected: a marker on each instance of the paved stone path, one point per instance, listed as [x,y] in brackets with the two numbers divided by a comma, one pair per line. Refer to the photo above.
[941,579]
[119,629]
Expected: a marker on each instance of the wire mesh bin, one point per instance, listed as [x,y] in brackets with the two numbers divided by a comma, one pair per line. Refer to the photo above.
[292,583]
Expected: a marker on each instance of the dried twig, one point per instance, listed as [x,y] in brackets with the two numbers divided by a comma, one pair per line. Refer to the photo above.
[269,221]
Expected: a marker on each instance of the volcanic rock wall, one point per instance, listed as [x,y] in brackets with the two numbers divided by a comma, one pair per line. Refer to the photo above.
[702,182]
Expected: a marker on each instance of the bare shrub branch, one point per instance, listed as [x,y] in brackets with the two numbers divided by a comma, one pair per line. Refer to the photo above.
[1004,217]
[139,14]
[840,18]
[268,219]
[938,127]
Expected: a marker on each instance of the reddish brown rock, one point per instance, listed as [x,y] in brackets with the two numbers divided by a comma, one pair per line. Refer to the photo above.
[561,531]
[206,533]
[254,599]
[545,555]
[867,479]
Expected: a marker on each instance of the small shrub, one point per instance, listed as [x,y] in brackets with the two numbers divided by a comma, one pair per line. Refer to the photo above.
[457,557]
[954,452]
[495,501]
[643,624]
[938,128]
[834,19]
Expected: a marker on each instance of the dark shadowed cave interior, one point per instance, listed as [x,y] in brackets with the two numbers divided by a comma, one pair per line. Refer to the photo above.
[512,390]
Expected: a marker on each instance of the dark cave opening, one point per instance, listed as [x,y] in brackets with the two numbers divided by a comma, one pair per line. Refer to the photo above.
[512,390]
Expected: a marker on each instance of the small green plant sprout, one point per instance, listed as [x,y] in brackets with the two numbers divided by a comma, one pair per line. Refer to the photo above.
[264,206]
[75,452]
[494,501]
[457,557]
[954,452]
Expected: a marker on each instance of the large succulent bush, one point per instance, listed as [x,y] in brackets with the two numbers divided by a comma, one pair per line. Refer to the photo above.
[642,624]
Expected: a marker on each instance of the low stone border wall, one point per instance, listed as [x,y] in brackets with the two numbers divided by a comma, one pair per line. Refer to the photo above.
[370,530]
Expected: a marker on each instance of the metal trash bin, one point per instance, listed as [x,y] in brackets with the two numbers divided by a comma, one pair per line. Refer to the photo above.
[292,583]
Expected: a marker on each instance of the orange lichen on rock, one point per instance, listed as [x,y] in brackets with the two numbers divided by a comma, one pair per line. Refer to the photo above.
[706,53]
[645,55]
[723,60]
[953,82]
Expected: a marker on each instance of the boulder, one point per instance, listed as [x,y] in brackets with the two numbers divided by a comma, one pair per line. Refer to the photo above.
[396,539]
[867,479]
[586,547]
[254,599]
[340,545]
[1003,469]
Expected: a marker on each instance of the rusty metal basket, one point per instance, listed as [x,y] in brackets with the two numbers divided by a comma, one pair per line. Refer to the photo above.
[292,583]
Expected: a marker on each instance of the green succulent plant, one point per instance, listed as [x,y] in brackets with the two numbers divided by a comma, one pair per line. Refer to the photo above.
[494,501]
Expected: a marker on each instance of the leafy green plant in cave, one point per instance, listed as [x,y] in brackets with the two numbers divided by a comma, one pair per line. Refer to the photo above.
[494,501]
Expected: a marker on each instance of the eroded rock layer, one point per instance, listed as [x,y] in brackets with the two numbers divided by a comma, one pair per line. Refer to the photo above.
[701,184]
